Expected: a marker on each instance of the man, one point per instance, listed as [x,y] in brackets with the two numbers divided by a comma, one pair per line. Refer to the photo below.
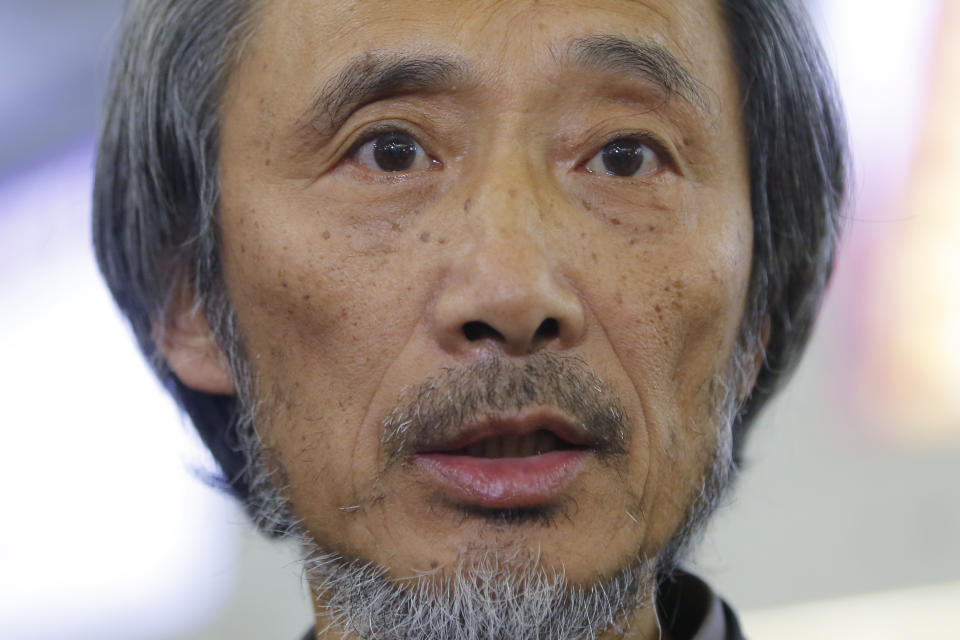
[475,300]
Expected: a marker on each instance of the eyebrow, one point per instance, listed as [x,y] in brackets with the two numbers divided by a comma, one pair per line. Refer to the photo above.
[649,61]
[376,76]
[379,75]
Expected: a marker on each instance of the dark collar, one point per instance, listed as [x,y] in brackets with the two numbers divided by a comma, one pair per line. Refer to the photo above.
[689,610]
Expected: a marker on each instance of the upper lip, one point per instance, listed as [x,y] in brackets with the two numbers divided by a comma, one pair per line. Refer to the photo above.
[512,425]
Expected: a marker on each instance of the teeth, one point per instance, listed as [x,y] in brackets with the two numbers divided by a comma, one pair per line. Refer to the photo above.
[477,450]
[527,445]
[511,447]
[546,442]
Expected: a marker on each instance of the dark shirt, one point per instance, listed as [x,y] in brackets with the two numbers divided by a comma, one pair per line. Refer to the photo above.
[688,610]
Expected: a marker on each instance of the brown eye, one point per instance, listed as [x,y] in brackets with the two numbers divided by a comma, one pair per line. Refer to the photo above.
[392,152]
[624,157]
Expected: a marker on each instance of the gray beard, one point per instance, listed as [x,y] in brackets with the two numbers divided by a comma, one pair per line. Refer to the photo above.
[494,597]
[497,595]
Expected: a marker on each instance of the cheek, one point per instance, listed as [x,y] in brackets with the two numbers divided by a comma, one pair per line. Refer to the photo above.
[318,346]
[672,314]
[674,317]
[296,286]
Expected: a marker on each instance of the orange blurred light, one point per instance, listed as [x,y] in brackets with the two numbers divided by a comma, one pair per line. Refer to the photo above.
[916,385]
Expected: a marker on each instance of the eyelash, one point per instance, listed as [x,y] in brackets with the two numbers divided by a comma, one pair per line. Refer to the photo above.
[660,151]
[647,139]
[377,130]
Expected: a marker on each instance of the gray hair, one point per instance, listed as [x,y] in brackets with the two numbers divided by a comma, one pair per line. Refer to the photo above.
[157,189]
[157,186]
[797,147]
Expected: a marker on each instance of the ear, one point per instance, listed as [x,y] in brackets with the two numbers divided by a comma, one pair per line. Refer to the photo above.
[191,351]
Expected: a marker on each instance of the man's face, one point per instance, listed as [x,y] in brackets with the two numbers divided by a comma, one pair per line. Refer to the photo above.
[429,190]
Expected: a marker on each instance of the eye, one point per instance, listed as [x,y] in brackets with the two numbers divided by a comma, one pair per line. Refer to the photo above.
[624,157]
[392,151]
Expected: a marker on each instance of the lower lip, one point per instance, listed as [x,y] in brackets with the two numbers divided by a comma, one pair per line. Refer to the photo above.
[499,483]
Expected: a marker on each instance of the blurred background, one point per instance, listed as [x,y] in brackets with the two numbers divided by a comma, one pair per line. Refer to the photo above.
[847,518]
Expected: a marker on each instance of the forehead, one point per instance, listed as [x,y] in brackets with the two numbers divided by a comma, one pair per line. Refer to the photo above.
[499,39]
[334,23]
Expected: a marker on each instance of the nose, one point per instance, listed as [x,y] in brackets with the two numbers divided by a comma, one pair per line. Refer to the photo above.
[506,291]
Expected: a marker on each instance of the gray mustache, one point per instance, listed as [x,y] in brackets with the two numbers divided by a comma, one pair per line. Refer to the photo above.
[439,408]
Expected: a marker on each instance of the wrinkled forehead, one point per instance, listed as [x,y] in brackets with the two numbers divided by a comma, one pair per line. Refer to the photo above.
[501,27]
[301,44]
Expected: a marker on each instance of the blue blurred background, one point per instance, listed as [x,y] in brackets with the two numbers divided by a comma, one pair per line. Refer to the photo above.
[847,518]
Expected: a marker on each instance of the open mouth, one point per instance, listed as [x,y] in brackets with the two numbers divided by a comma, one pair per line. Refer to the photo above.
[536,443]
[508,463]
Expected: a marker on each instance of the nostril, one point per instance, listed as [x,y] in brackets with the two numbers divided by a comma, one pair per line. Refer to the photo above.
[480,330]
[548,330]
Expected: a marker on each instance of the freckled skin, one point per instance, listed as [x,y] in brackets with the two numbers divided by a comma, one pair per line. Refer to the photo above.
[349,288]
